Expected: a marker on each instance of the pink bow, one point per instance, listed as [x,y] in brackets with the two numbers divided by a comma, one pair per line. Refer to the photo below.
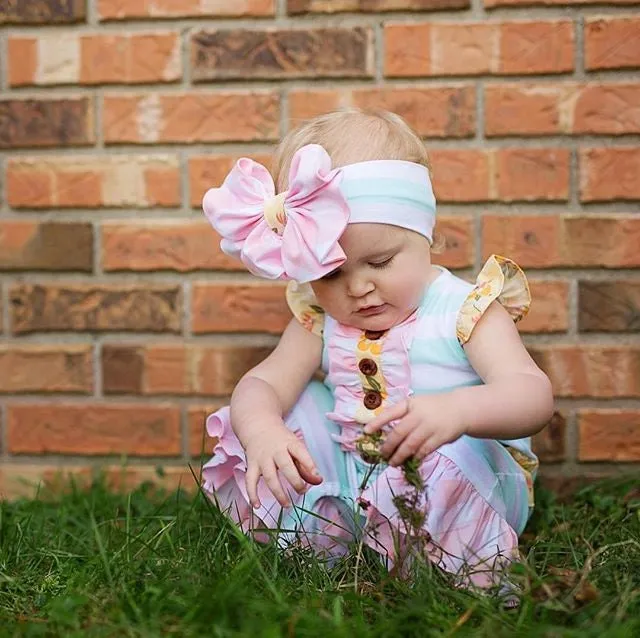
[301,244]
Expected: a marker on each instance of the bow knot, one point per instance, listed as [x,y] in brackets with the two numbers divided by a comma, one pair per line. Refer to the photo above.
[293,235]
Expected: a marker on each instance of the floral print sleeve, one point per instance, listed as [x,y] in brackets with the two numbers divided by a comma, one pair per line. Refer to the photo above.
[304,306]
[499,280]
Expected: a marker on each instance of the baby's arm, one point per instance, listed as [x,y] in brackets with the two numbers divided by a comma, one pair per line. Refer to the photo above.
[516,400]
[260,401]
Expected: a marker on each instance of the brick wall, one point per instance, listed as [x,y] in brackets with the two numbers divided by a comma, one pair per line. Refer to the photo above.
[123,324]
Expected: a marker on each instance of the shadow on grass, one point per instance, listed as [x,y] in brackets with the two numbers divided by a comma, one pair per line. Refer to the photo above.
[92,562]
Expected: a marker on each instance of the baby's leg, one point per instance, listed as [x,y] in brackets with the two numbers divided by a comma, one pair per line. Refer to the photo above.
[318,518]
[463,519]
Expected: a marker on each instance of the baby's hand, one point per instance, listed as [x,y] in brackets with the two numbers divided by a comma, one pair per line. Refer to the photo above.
[426,423]
[278,449]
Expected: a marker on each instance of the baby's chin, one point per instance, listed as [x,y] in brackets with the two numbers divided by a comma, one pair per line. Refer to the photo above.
[378,323]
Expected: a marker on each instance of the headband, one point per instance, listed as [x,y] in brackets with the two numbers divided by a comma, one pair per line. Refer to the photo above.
[294,235]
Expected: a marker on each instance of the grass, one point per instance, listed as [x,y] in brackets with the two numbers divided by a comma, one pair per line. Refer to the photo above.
[95,563]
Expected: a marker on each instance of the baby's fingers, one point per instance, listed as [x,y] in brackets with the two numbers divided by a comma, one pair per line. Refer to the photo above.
[304,463]
[252,477]
[290,472]
[393,413]
[273,483]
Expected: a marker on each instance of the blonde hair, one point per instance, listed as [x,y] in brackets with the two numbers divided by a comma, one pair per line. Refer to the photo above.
[353,135]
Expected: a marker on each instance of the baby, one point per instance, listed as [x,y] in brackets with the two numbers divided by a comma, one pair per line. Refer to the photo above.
[418,439]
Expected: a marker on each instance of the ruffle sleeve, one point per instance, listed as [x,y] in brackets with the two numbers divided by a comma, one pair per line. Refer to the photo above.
[304,306]
[499,280]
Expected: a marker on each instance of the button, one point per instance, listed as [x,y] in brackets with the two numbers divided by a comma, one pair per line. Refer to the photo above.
[368,367]
[372,399]
[374,335]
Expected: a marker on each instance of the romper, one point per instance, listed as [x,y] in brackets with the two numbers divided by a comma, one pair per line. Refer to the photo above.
[478,493]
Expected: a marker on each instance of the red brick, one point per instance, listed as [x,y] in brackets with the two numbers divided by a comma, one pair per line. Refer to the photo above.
[22,480]
[536,47]
[295,7]
[609,306]
[95,307]
[609,174]
[549,307]
[609,435]
[432,111]
[608,109]
[489,4]
[239,307]
[163,245]
[549,445]
[459,234]
[461,175]
[191,117]
[46,122]
[135,9]
[612,42]
[549,241]
[91,58]
[532,174]
[43,12]
[209,171]
[156,369]
[113,181]
[601,372]
[96,429]
[39,368]
[27,245]
[499,48]
[281,53]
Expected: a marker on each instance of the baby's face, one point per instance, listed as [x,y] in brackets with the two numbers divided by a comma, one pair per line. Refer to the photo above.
[383,279]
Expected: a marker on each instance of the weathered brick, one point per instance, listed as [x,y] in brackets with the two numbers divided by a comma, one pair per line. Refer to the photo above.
[209,171]
[609,435]
[29,245]
[612,42]
[549,444]
[609,306]
[562,109]
[132,9]
[191,117]
[461,175]
[113,181]
[239,307]
[97,429]
[281,53]
[434,111]
[499,48]
[548,241]
[607,109]
[505,105]
[95,307]
[609,174]
[458,233]
[296,7]
[39,368]
[73,58]
[163,245]
[42,11]
[532,174]
[154,369]
[601,372]
[21,480]
[549,308]
[46,122]
[536,47]
[490,4]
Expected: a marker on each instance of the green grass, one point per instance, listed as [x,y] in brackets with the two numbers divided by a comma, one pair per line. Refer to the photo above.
[94,563]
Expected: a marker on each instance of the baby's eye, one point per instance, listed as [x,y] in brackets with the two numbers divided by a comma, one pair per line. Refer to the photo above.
[380,264]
